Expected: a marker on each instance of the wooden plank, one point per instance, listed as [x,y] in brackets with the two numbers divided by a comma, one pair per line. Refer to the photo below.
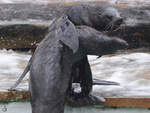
[128,102]
[15,96]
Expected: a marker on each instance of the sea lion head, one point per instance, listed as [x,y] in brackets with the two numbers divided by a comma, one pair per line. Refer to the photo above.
[102,18]
[111,18]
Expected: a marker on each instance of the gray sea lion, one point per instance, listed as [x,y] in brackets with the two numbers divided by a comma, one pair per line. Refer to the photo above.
[92,42]
[50,69]
[102,18]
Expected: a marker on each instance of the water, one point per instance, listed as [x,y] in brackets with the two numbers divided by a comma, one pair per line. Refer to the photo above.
[129,2]
[26,108]
[130,69]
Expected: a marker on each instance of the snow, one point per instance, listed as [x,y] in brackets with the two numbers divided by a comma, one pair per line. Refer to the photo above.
[130,69]
[11,66]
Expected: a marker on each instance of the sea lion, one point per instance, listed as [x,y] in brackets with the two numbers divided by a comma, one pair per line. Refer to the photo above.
[92,42]
[50,69]
[102,18]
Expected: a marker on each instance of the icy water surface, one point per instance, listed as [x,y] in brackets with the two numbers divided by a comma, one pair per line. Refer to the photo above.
[26,108]
[130,69]
[129,2]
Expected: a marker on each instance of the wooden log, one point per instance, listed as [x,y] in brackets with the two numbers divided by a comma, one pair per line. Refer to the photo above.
[127,102]
[25,25]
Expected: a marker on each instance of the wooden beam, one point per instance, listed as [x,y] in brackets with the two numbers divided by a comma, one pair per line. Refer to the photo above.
[128,102]
[16,96]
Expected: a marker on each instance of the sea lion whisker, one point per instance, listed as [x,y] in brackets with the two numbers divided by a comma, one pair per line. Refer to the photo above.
[108,26]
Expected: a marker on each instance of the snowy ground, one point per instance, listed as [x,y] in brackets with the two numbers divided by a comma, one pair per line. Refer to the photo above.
[131,70]
[11,66]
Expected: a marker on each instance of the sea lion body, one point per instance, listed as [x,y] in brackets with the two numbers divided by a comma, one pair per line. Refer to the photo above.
[50,69]
[49,78]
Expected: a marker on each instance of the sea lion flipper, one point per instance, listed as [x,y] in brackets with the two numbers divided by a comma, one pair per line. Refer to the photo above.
[83,101]
[22,76]
[104,82]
